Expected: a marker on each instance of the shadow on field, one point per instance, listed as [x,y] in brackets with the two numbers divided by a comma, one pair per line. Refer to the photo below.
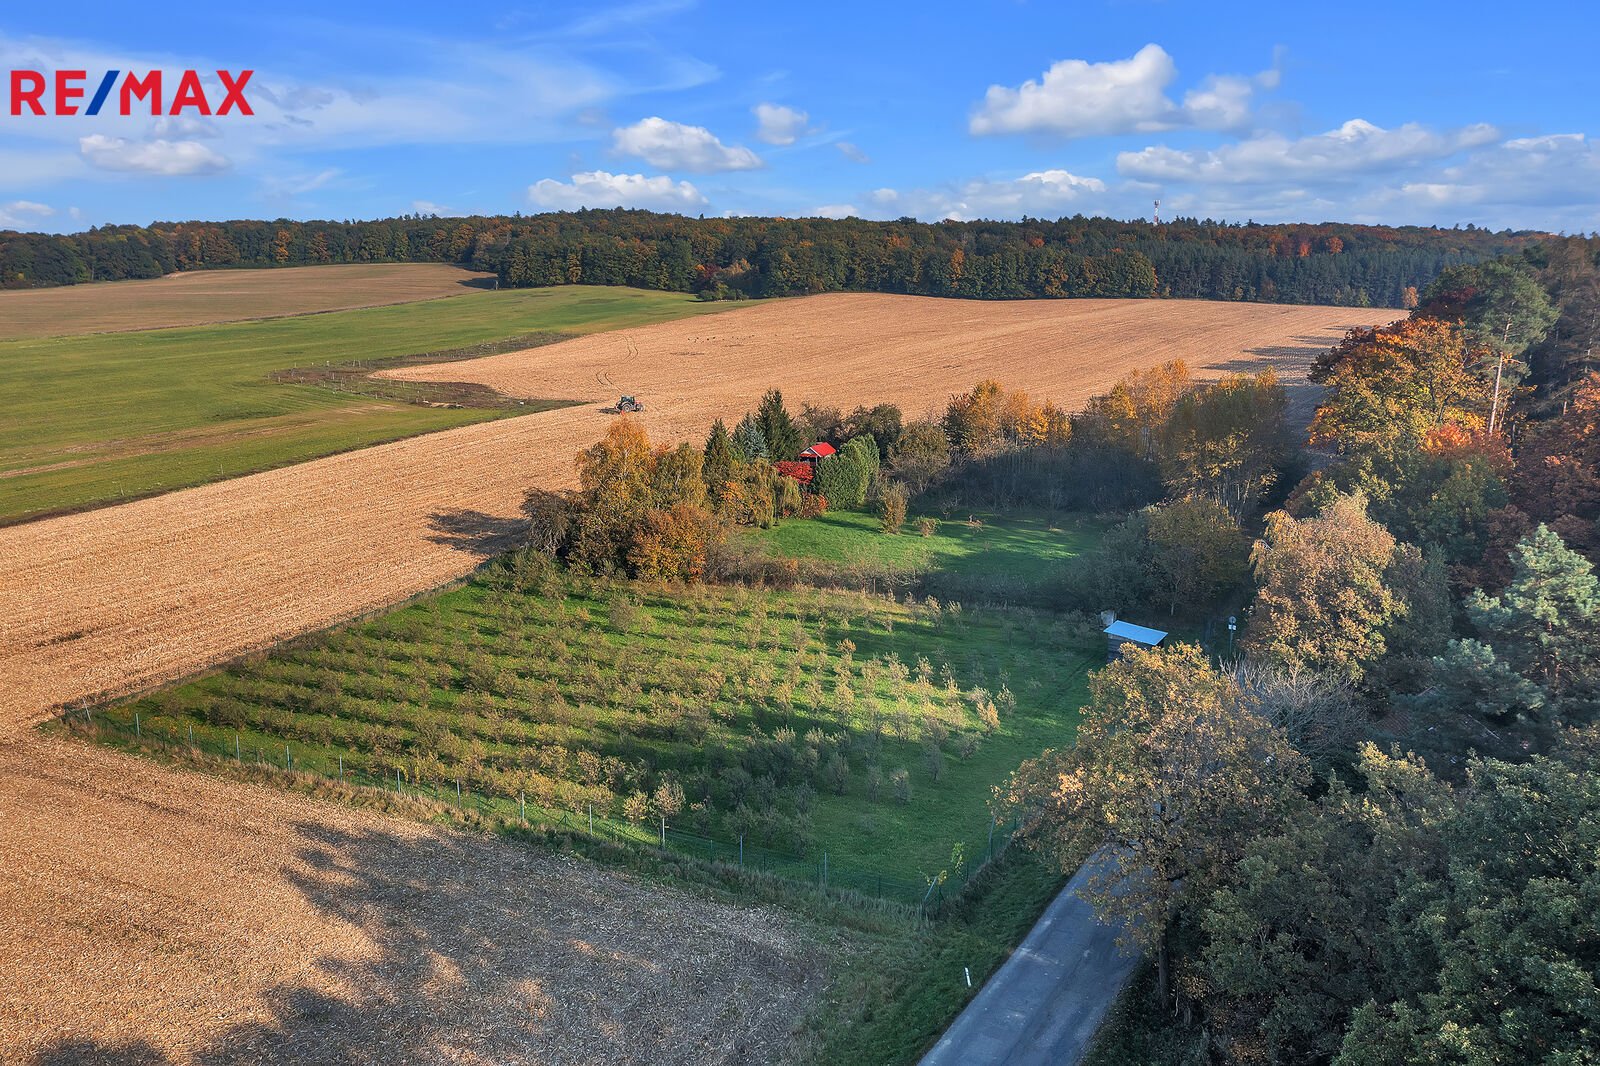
[475,531]
[446,947]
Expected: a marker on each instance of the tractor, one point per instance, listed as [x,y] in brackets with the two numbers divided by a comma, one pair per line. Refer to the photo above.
[628,403]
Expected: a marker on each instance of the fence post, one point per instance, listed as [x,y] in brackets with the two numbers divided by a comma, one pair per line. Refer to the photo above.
[663,832]
[286,756]
[591,819]
[191,734]
[341,767]
[458,793]
[237,755]
[138,731]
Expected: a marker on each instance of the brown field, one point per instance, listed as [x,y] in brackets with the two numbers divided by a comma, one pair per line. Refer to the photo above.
[203,296]
[155,917]
[131,595]
[149,916]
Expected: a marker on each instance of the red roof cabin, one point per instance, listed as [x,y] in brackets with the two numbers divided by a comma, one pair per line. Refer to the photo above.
[815,452]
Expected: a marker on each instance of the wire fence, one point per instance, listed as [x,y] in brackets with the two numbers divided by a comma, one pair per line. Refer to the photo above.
[918,890]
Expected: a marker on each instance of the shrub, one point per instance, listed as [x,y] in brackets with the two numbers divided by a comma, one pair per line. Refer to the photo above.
[892,507]
[933,759]
[900,784]
[927,526]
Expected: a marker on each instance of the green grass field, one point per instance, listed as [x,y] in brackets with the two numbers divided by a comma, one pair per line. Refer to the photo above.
[785,716]
[1016,546]
[95,419]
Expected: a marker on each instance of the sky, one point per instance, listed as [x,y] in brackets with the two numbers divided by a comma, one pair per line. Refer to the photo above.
[1423,113]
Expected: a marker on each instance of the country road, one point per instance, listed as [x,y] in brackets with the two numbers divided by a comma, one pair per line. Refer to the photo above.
[1042,1007]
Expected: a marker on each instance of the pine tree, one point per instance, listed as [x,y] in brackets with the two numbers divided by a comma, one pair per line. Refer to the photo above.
[778,427]
[719,459]
[749,442]
[1546,625]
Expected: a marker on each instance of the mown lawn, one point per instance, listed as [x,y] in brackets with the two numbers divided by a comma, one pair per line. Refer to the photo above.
[95,419]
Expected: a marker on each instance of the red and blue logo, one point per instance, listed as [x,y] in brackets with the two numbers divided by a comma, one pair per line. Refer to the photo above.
[29,89]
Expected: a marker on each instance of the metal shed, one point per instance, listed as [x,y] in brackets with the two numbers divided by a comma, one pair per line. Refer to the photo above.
[1121,634]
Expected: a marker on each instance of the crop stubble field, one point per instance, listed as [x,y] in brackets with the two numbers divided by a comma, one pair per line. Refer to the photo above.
[124,597]
[157,917]
[202,296]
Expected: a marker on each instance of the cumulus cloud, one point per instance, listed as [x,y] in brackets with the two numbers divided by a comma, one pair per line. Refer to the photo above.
[836,211]
[1039,193]
[674,146]
[596,188]
[776,124]
[1075,98]
[1356,147]
[428,207]
[167,158]
[852,153]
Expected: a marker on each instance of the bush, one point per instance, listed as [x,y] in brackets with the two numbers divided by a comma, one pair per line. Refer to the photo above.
[900,784]
[927,526]
[892,507]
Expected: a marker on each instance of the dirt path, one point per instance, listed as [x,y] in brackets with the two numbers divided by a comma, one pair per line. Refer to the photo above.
[151,917]
[128,596]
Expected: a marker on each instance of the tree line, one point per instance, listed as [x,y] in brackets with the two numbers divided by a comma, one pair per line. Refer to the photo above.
[732,258]
[1371,837]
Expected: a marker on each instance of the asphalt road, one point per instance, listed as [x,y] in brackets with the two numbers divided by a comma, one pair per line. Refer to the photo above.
[1042,1007]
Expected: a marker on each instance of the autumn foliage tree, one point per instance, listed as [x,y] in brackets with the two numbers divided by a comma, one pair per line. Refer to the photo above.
[1324,600]
[1172,776]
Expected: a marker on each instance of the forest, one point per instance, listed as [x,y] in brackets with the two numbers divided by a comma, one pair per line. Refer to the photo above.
[734,258]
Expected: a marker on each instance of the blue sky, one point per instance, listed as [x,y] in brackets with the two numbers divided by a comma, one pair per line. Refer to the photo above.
[1421,113]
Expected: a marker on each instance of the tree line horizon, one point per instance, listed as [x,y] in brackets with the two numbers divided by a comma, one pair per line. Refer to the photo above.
[1341,264]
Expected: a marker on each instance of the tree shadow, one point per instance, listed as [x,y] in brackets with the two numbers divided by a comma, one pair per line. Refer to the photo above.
[475,531]
[459,948]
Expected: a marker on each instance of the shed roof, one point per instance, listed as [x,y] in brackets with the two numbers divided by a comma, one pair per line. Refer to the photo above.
[1129,631]
[820,450]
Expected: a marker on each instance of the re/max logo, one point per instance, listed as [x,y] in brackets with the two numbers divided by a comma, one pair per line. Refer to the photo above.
[28,89]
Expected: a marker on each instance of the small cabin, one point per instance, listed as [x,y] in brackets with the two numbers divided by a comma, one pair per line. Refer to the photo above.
[1119,635]
[818,451]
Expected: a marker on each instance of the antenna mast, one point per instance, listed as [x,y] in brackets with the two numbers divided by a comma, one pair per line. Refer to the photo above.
[1155,216]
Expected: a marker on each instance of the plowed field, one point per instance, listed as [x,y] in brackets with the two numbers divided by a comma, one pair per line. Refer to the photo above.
[129,595]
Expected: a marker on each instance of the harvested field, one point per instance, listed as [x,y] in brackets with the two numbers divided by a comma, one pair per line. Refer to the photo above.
[202,296]
[180,918]
[127,596]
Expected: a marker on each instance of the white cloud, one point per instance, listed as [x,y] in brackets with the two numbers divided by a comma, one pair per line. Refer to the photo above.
[1044,192]
[1357,147]
[776,124]
[428,207]
[1076,98]
[852,153]
[167,158]
[836,211]
[674,146]
[15,215]
[596,188]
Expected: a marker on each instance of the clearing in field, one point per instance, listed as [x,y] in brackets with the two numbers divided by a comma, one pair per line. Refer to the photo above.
[91,420]
[159,918]
[204,296]
[123,597]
